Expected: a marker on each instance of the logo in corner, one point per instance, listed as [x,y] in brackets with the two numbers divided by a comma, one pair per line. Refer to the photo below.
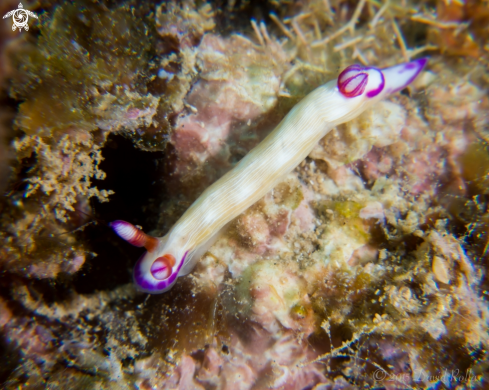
[20,17]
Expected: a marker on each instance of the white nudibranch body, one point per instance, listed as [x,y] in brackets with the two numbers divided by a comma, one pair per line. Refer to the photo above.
[336,102]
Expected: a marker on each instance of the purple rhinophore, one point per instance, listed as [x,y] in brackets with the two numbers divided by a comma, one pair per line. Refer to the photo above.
[129,232]
[146,282]
[123,229]
[352,81]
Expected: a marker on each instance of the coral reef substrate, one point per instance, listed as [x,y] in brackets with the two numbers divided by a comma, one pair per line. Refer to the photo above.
[364,268]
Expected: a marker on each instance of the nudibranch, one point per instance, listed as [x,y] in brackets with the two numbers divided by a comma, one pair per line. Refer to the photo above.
[336,102]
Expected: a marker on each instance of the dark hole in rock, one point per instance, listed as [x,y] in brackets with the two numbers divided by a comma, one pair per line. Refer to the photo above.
[10,359]
[239,12]
[136,178]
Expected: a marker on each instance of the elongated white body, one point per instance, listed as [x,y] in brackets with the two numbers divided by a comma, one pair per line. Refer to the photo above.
[336,102]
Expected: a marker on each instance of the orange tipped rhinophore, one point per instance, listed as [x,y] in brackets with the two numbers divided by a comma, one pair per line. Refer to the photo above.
[133,235]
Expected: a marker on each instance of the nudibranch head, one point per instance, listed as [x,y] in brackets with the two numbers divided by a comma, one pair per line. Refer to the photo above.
[155,272]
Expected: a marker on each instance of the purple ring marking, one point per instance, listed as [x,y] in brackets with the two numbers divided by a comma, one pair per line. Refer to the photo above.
[380,88]
[149,285]
[124,230]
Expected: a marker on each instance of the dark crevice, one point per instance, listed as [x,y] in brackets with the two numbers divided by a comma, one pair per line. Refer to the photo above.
[232,17]
[10,359]
[135,177]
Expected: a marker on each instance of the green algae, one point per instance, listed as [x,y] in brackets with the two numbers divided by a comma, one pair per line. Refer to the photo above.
[347,216]
[475,167]
[263,275]
[299,311]
[347,209]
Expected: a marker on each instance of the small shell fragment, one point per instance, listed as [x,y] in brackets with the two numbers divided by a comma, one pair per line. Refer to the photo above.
[440,270]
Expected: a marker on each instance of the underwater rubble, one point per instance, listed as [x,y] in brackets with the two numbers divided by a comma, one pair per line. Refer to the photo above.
[366,267]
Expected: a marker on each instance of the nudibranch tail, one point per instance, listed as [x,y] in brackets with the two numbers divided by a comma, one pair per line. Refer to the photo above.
[354,79]
[133,235]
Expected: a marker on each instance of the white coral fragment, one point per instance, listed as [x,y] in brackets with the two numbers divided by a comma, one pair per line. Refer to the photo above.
[440,270]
